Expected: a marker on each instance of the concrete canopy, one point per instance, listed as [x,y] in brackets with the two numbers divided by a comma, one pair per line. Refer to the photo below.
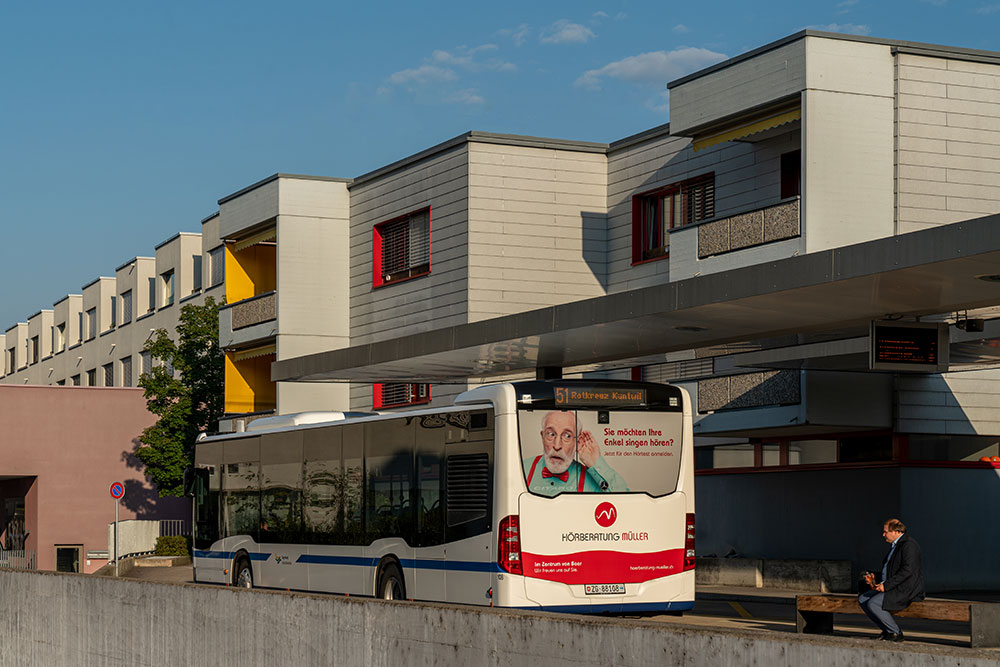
[938,270]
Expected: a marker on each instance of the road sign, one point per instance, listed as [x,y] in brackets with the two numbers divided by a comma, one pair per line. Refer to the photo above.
[117,491]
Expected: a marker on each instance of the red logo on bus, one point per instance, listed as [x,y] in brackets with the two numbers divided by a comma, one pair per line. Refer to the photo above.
[605,514]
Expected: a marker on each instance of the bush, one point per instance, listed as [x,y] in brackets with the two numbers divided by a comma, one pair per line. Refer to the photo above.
[173,545]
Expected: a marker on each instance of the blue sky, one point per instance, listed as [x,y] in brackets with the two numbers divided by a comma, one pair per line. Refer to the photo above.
[125,122]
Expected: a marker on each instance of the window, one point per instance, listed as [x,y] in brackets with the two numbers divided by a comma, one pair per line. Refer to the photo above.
[91,323]
[92,377]
[11,360]
[402,248]
[196,277]
[79,327]
[655,213]
[152,295]
[76,380]
[145,362]
[397,394]
[791,174]
[61,383]
[109,375]
[33,350]
[59,337]
[167,280]
[126,364]
[217,266]
[126,306]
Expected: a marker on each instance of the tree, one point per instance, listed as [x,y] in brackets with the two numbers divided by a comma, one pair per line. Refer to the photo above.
[185,392]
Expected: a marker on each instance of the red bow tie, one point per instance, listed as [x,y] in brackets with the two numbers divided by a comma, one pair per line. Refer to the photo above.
[564,475]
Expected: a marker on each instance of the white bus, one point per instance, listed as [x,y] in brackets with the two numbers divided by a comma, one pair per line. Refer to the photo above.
[565,495]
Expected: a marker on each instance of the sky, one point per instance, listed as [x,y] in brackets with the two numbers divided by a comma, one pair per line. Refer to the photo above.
[122,123]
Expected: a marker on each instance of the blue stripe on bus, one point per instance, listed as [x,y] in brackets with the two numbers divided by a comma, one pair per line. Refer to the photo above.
[228,555]
[337,560]
[460,565]
[615,608]
[416,563]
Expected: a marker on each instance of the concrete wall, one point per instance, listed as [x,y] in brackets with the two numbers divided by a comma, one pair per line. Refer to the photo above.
[948,152]
[73,442]
[847,143]
[313,273]
[72,620]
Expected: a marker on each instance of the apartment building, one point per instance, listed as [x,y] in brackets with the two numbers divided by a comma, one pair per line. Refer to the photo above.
[95,338]
[801,191]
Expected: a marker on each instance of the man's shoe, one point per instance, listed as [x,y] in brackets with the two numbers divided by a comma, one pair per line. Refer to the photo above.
[883,637]
[896,638]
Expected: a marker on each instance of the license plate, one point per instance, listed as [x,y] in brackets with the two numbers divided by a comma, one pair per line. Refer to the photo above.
[604,589]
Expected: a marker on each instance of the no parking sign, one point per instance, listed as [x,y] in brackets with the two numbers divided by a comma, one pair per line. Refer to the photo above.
[117,490]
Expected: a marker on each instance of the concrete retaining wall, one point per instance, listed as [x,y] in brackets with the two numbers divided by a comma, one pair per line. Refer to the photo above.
[63,620]
[818,576]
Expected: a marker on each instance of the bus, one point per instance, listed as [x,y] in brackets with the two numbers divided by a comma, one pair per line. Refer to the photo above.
[562,495]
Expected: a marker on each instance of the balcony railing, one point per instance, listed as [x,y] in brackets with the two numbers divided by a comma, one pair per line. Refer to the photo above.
[18,559]
[255,310]
[749,229]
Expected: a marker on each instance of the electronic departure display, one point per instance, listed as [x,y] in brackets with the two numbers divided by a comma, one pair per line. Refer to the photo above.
[909,346]
[583,396]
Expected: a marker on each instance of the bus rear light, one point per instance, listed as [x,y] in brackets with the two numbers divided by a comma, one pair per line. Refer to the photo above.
[689,542]
[509,547]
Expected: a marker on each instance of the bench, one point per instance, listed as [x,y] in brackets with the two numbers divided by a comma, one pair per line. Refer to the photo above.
[814,614]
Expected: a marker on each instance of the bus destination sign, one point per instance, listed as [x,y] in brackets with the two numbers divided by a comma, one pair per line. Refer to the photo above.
[599,396]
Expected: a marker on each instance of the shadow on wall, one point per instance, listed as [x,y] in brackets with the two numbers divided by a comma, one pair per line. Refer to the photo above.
[142,498]
[937,485]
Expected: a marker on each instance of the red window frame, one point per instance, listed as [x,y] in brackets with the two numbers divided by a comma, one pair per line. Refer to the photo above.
[416,395]
[379,234]
[652,221]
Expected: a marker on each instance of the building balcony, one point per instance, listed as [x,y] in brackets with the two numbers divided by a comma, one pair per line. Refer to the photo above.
[248,321]
[750,228]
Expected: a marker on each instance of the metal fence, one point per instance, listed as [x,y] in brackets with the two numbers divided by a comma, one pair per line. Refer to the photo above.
[18,559]
[170,527]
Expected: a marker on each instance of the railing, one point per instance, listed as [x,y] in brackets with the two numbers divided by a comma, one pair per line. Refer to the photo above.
[255,310]
[748,229]
[171,527]
[18,559]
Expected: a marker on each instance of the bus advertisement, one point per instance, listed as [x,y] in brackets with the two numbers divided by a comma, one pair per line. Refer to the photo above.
[565,495]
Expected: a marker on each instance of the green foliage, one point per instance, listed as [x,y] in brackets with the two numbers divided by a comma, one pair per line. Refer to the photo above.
[173,545]
[187,401]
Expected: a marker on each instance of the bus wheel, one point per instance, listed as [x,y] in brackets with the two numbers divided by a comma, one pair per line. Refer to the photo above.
[243,575]
[390,583]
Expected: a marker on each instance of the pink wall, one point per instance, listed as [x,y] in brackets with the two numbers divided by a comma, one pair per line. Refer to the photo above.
[76,441]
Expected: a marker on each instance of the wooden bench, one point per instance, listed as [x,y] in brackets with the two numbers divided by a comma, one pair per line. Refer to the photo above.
[814,614]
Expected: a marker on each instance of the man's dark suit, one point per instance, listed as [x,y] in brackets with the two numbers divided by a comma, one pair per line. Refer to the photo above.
[904,581]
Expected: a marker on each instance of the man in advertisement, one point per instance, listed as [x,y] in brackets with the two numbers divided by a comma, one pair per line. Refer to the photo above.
[571,460]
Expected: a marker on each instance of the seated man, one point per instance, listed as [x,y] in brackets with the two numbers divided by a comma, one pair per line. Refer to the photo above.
[561,471]
[901,582]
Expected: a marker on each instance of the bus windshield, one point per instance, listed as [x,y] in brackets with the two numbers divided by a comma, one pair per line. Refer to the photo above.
[600,451]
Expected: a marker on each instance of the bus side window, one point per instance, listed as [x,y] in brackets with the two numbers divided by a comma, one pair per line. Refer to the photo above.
[323,490]
[389,479]
[430,439]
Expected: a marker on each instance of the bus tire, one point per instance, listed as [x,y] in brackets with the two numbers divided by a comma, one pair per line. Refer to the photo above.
[390,584]
[243,573]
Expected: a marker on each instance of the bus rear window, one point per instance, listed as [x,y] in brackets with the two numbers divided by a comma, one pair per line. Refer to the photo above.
[600,451]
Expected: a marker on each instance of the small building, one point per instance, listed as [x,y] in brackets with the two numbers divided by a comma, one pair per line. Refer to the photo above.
[61,448]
